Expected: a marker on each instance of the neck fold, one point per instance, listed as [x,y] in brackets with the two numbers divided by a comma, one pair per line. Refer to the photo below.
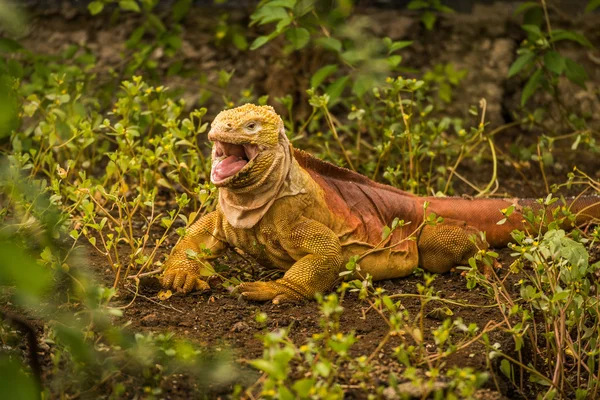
[243,208]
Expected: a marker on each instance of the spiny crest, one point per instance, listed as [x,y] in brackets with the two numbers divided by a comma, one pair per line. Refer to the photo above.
[236,117]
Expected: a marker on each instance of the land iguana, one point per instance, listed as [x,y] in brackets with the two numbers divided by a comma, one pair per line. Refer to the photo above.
[306,217]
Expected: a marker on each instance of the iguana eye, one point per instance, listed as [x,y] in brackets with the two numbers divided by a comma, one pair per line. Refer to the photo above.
[251,126]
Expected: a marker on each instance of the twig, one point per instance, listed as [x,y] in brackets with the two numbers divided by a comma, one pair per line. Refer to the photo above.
[494,171]
[149,273]
[337,138]
[436,298]
[154,301]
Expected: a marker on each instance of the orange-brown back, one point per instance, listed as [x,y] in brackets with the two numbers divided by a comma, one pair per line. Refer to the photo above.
[365,205]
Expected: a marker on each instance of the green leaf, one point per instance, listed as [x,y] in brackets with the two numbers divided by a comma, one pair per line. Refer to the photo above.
[394,61]
[532,30]
[334,91]
[445,92]
[283,3]
[445,9]
[554,62]
[558,296]
[259,42]
[363,83]
[531,86]
[561,34]
[95,7]
[9,46]
[282,24]
[322,368]
[270,367]
[303,386]
[156,22]
[389,304]
[264,15]
[575,72]
[22,271]
[285,394]
[395,46]
[417,5]
[592,5]
[136,36]
[428,19]
[520,63]
[174,41]
[15,68]
[330,43]
[239,41]
[386,232]
[527,6]
[506,368]
[298,36]
[180,9]
[14,383]
[322,74]
[73,338]
[129,5]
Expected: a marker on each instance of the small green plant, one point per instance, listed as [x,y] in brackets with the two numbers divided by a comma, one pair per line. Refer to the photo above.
[164,31]
[445,77]
[539,57]
[428,10]
[311,370]
[370,59]
[144,145]
[75,319]
[592,5]
[554,310]
[409,147]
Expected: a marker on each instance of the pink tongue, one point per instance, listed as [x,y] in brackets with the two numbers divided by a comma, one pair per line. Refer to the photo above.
[228,167]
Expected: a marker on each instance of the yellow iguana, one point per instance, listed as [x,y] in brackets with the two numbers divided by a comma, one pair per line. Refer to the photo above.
[306,217]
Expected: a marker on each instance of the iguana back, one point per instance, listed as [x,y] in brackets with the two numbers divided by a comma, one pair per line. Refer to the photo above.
[365,205]
[374,205]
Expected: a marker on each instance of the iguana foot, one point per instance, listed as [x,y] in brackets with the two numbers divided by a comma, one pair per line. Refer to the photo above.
[183,281]
[264,291]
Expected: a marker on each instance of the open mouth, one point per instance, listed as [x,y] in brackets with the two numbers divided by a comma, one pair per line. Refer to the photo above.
[229,159]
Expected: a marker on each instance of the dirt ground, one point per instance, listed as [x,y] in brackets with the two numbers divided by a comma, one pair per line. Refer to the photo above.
[484,42]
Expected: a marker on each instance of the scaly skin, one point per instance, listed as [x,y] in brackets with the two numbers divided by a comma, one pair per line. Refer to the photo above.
[307,217]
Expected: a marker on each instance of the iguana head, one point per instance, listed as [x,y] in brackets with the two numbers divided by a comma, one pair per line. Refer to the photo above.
[245,146]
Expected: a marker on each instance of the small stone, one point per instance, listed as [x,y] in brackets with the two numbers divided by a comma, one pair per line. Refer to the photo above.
[240,327]
[150,320]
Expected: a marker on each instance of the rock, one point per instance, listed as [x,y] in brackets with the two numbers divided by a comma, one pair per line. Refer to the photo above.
[502,55]
[80,37]
[402,27]
[240,327]
[189,51]
[409,390]
[150,320]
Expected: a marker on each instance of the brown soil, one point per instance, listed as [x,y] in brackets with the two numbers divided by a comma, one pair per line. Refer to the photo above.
[483,42]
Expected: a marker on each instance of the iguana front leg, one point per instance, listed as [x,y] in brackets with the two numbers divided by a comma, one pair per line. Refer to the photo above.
[183,273]
[318,255]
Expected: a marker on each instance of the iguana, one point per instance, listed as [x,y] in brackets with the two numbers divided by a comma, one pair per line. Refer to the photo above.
[306,217]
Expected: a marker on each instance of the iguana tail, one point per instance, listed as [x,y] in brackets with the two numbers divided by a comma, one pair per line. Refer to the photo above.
[485,214]
[448,244]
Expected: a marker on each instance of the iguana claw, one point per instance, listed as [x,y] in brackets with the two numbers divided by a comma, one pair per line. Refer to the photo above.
[183,281]
[264,291]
